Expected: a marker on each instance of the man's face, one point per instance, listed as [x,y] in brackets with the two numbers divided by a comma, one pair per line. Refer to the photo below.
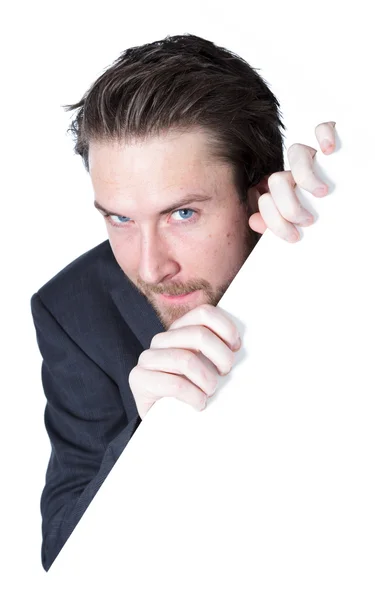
[195,248]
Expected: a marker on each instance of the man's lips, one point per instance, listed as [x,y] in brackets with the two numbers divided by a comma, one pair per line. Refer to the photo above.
[178,297]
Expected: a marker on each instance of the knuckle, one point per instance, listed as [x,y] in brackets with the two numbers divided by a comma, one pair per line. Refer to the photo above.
[133,376]
[264,199]
[203,312]
[306,181]
[142,359]
[202,335]
[276,178]
[155,340]
[294,147]
[177,385]
[322,125]
[265,205]
[207,306]
[185,360]
[207,310]
[191,362]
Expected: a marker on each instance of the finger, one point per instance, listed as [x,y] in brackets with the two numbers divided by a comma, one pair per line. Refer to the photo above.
[180,362]
[196,337]
[256,223]
[281,186]
[274,220]
[301,162]
[160,385]
[214,319]
[325,134]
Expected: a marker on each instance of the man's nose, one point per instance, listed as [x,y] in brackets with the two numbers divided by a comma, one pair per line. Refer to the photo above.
[155,261]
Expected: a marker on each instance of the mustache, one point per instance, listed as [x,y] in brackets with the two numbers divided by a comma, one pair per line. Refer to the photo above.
[175,288]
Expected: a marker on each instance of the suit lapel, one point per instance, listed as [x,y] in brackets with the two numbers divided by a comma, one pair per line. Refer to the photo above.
[133,306]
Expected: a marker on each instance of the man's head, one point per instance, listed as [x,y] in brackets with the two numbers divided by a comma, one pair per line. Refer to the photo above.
[168,121]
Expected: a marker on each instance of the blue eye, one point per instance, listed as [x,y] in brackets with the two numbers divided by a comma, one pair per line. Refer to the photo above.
[185,216]
[124,219]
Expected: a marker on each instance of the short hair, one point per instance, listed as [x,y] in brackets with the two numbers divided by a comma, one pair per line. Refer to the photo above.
[182,83]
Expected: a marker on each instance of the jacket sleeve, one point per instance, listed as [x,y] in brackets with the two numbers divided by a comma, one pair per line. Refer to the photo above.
[87,426]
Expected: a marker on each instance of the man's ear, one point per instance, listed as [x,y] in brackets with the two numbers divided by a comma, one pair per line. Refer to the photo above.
[253,194]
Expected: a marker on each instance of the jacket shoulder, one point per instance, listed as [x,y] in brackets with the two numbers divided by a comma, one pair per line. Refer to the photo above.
[86,274]
[87,263]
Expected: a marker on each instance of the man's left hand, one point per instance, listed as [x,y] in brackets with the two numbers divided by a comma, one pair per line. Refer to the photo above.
[279,208]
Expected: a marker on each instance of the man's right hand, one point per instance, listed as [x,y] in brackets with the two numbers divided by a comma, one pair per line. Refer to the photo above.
[172,367]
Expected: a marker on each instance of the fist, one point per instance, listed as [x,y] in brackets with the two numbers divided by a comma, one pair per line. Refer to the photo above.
[172,365]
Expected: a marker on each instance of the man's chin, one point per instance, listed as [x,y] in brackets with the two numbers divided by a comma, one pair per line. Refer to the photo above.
[169,309]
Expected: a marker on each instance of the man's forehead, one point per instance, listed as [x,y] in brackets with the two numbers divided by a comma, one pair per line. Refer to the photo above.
[167,173]
[125,178]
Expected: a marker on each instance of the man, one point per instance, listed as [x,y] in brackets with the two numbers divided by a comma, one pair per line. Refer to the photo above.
[182,142]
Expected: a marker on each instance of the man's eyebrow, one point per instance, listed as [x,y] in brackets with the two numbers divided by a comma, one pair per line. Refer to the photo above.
[185,200]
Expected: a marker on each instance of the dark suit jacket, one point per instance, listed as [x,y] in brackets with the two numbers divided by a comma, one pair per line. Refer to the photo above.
[91,326]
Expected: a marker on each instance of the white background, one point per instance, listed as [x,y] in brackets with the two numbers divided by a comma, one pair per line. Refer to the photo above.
[316,58]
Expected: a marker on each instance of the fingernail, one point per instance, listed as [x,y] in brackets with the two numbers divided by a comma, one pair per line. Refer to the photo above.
[237,345]
[309,220]
[326,145]
[293,237]
[320,191]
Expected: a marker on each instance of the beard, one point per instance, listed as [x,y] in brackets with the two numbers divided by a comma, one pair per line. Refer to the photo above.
[168,314]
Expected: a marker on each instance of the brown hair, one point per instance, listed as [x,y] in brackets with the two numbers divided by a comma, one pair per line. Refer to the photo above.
[184,82]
